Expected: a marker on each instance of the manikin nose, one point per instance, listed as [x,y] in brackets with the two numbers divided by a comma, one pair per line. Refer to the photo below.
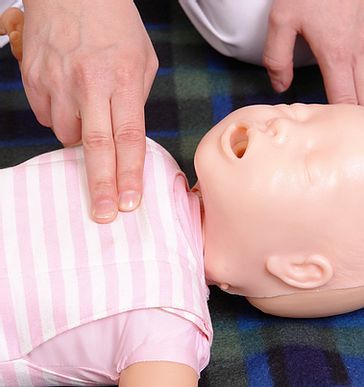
[270,131]
[279,128]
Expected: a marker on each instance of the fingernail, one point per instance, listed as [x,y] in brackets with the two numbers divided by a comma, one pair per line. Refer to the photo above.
[278,86]
[104,209]
[129,200]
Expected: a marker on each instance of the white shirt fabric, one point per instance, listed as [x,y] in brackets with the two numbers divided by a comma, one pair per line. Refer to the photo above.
[5,4]
[238,28]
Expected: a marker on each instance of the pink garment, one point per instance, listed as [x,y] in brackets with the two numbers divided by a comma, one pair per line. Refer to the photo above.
[100,350]
[60,270]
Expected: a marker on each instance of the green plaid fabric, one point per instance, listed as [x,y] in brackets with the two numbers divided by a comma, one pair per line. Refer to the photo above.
[195,88]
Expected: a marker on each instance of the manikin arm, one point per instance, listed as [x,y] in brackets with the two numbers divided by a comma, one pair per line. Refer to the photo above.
[158,374]
[11,24]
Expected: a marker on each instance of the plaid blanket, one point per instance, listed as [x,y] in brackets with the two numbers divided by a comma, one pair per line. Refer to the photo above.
[195,88]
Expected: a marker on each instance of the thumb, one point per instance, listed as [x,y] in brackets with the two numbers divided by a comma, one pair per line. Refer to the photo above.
[16,44]
[2,26]
[278,55]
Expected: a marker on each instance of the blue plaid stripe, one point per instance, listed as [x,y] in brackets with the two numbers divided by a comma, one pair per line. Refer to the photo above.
[195,88]
[254,349]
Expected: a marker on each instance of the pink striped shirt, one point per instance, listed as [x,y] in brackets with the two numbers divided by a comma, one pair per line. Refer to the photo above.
[59,269]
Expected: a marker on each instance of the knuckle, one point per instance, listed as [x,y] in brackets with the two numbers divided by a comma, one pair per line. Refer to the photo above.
[47,76]
[85,74]
[339,54]
[25,72]
[125,75]
[154,64]
[274,64]
[128,134]
[41,111]
[43,118]
[31,76]
[26,65]
[95,140]
[54,75]
[278,18]
[67,139]
[346,99]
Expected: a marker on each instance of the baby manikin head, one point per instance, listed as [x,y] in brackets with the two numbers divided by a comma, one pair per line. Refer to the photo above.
[283,190]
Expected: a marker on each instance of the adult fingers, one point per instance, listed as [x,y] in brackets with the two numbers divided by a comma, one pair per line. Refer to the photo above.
[148,83]
[16,39]
[99,158]
[40,103]
[359,80]
[66,124]
[338,77]
[150,72]
[278,52]
[2,27]
[127,107]
[38,96]
[335,59]
[12,20]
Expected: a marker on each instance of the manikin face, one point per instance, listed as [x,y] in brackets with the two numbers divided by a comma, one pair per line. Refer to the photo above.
[283,194]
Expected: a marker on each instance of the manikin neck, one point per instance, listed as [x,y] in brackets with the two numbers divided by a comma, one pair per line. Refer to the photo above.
[313,303]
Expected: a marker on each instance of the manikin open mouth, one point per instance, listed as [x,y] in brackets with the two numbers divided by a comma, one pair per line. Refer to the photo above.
[239,141]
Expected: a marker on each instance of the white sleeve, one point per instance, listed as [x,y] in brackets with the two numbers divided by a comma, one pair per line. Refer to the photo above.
[237,28]
[5,4]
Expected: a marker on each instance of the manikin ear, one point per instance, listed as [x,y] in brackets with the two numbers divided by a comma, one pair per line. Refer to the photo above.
[304,272]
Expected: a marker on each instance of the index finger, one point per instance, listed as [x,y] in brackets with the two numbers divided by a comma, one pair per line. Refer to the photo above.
[278,53]
[339,81]
[127,107]
[100,160]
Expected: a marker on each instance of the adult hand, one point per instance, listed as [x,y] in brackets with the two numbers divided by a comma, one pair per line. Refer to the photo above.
[334,30]
[87,69]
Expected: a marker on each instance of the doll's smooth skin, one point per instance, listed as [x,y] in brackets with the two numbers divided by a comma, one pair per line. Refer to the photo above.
[11,24]
[282,190]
